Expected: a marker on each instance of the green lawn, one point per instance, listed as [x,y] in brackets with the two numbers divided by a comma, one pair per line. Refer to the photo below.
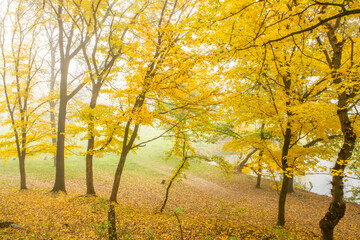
[142,161]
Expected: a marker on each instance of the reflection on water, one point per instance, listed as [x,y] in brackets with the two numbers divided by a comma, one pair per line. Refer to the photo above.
[316,182]
[320,183]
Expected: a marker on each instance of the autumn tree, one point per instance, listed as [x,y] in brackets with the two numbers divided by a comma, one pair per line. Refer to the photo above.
[342,59]
[52,65]
[337,43]
[75,26]
[102,57]
[181,149]
[277,33]
[21,72]
[166,72]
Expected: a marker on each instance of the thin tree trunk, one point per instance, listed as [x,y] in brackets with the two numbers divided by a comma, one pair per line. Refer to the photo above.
[89,166]
[90,189]
[52,103]
[178,171]
[128,142]
[118,173]
[125,151]
[53,128]
[259,174]
[240,167]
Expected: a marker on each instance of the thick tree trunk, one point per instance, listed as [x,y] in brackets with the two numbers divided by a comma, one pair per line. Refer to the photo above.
[258,179]
[284,157]
[112,223]
[286,178]
[60,149]
[335,212]
[337,207]
[282,201]
[22,173]
[60,143]
[291,185]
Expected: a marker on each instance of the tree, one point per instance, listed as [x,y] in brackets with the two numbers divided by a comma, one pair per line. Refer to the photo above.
[51,36]
[20,74]
[101,58]
[165,73]
[278,91]
[291,24]
[182,149]
[75,25]
[346,84]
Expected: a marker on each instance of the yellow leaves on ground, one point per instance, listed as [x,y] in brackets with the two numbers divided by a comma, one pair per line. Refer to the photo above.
[48,216]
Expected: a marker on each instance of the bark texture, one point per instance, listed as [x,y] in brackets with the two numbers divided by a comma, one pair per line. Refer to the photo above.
[337,206]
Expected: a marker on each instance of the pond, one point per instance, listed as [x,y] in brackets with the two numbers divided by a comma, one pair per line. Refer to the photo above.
[320,183]
[316,182]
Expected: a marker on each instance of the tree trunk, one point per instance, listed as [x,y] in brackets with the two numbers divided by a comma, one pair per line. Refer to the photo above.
[118,173]
[60,143]
[22,172]
[259,174]
[126,147]
[337,207]
[90,189]
[291,185]
[284,157]
[178,171]
[241,165]
[89,166]
[124,152]
[282,201]
[22,155]
[112,223]
[60,148]
[53,127]
[258,179]
[52,103]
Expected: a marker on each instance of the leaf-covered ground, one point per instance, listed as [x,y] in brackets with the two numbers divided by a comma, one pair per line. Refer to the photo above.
[213,209]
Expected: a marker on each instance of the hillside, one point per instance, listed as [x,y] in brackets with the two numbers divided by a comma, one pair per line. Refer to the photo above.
[209,206]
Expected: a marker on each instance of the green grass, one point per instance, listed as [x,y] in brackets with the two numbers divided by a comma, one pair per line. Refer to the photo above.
[144,161]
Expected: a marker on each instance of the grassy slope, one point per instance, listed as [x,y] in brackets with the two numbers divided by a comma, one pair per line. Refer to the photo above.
[214,208]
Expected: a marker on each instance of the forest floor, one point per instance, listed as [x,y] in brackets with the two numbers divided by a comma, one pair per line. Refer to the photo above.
[212,209]
[208,205]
